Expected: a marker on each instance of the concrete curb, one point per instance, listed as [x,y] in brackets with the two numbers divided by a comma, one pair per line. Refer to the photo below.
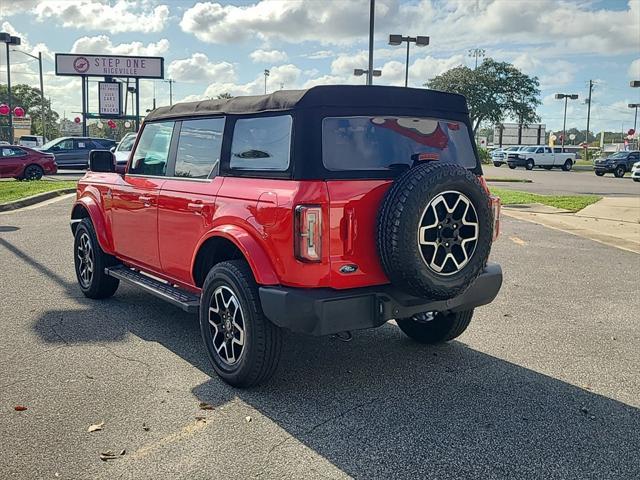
[32,200]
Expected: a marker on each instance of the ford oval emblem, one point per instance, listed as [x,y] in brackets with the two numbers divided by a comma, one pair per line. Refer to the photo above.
[348,268]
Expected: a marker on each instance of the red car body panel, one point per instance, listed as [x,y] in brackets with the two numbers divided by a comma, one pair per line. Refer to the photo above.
[159,225]
[13,167]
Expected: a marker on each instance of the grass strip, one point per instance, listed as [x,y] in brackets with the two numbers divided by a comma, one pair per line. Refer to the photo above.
[15,190]
[572,203]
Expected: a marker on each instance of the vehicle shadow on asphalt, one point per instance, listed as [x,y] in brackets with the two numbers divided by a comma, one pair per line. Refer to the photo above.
[382,406]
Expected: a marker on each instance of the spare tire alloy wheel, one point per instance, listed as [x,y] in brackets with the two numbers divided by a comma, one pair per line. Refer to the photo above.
[435,230]
[448,233]
[226,321]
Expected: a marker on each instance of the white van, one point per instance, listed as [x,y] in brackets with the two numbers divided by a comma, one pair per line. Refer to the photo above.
[31,141]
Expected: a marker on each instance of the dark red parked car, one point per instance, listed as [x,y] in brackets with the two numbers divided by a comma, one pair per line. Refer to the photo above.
[23,163]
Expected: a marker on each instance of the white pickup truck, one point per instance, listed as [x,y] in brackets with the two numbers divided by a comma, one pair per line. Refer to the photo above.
[541,156]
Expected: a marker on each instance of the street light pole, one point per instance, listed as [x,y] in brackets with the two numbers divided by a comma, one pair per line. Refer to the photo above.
[9,96]
[372,14]
[420,41]
[635,118]
[477,52]
[42,102]
[266,74]
[566,97]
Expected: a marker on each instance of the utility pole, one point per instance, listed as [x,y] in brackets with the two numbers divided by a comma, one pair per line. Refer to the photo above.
[266,74]
[588,112]
[171,82]
[372,14]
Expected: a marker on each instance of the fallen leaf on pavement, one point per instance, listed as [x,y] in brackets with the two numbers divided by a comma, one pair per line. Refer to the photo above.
[19,408]
[247,418]
[206,406]
[95,427]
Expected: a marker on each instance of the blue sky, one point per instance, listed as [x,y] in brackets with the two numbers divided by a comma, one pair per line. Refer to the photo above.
[212,47]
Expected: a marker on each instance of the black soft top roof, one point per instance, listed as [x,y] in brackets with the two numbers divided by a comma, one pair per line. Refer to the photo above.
[320,96]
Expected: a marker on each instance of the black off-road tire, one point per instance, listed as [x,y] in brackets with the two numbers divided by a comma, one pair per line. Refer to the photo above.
[530,164]
[262,339]
[33,172]
[566,166]
[399,222]
[100,284]
[442,328]
[619,171]
[599,174]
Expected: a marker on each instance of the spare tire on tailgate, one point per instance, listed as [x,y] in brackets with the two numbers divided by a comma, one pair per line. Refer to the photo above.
[434,230]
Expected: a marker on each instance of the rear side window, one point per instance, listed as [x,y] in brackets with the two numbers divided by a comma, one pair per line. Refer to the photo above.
[380,142]
[13,152]
[199,147]
[150,157]
[262,143]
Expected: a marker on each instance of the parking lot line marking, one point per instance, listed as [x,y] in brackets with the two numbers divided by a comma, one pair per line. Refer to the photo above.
[518,241]
[185,432]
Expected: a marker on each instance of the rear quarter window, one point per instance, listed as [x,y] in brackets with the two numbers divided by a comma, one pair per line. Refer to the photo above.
[378,142]
[262,143]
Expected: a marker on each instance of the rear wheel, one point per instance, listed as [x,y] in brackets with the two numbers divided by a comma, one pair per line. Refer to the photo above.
[530,164]
[90,262]
[497,164]
[567,165]
[599,174]
[435,328]
[619,171]
[243,345]
[512,166]
[33,172]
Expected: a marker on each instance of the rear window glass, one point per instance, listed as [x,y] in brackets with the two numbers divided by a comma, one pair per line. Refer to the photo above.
[262,143]
[199,147]
[378,142]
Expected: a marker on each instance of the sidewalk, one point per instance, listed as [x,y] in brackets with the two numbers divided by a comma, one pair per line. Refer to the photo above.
[613,221]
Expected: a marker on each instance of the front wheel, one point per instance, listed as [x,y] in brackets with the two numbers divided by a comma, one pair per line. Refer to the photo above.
[497,164]
[599,174]
[567,165]
[512,166]
[619,171]
[90,262]
[435,328]
[243,345]
[530,164]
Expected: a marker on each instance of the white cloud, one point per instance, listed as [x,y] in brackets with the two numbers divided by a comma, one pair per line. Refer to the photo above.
[320,54]
[282,76]
[198,68]
[268,56]
[103,44]
[121,16]
[634,70]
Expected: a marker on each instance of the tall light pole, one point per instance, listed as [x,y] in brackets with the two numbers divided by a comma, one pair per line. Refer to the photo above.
[42,103]
[372,15]
[477,53]
[9,41]
[170,81]
[266,74]
[420,41]
[635,118]
[358,72]
[566,97]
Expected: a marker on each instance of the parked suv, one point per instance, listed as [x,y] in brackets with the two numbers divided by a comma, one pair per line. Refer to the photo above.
[321,211]
[619,163]
[74,151]
[541,156]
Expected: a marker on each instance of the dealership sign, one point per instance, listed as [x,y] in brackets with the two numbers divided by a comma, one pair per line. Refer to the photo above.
[109,99]
[109,66]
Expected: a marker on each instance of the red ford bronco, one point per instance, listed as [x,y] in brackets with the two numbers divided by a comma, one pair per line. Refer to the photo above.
[320,211]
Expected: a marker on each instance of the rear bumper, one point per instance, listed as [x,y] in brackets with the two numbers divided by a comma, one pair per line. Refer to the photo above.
[324,311]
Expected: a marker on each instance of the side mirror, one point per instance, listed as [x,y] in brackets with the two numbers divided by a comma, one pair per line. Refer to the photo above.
[102,161]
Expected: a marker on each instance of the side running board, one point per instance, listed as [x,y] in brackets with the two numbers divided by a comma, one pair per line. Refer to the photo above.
[187,301]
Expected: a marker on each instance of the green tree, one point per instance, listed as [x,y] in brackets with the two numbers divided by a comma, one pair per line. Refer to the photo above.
[494,91]
[225,95]
[29,98]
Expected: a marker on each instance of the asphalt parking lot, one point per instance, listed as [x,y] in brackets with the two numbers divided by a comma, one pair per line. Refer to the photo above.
[557,182]
[544,384]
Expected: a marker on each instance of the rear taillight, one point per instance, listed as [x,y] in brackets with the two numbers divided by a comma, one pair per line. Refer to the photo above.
[494,203]
[308,233]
